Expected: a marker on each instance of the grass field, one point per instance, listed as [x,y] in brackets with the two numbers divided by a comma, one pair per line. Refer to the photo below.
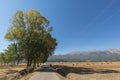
[74,70]
[88,70]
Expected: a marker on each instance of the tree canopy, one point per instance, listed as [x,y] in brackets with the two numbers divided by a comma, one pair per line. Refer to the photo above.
[31,35]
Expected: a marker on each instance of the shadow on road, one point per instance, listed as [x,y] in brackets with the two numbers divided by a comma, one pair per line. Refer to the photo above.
[45,69]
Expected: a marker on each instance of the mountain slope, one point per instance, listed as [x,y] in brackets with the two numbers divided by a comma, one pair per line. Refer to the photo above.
[105,55]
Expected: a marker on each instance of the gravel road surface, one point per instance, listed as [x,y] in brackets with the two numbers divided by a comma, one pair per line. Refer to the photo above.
[45,73]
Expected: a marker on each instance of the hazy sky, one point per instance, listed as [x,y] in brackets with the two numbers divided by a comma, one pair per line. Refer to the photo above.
[78,24]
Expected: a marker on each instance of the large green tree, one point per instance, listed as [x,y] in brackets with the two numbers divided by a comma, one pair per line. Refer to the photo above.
[31,34]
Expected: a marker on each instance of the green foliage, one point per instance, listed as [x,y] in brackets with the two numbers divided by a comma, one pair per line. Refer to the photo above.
[32,36]
[9,55]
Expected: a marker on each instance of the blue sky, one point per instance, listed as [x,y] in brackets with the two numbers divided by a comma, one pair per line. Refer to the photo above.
[79,25]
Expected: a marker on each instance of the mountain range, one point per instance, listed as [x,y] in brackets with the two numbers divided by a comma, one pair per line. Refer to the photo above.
[94,55]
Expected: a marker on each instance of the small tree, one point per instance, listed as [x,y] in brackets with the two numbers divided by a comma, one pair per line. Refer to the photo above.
[9,55]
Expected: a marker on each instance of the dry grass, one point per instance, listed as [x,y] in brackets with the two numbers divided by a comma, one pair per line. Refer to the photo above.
[89,70]
[8,72]
[111,76]
[75,70]
[6,69]
[89,64]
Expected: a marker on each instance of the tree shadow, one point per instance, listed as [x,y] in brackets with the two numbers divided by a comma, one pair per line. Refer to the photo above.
[64,70]
[47,69]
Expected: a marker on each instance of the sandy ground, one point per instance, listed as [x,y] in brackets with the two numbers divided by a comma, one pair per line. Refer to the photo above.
[89,70]
[27,77]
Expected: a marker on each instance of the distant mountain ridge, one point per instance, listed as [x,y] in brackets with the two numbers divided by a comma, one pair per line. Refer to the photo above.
[94,55]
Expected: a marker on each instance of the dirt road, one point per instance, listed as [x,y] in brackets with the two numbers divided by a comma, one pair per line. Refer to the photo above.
[45,73]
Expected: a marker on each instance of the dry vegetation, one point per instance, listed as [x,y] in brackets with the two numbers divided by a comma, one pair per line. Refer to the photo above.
[88,70]
[7,69]
[71,70]
[8,72]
